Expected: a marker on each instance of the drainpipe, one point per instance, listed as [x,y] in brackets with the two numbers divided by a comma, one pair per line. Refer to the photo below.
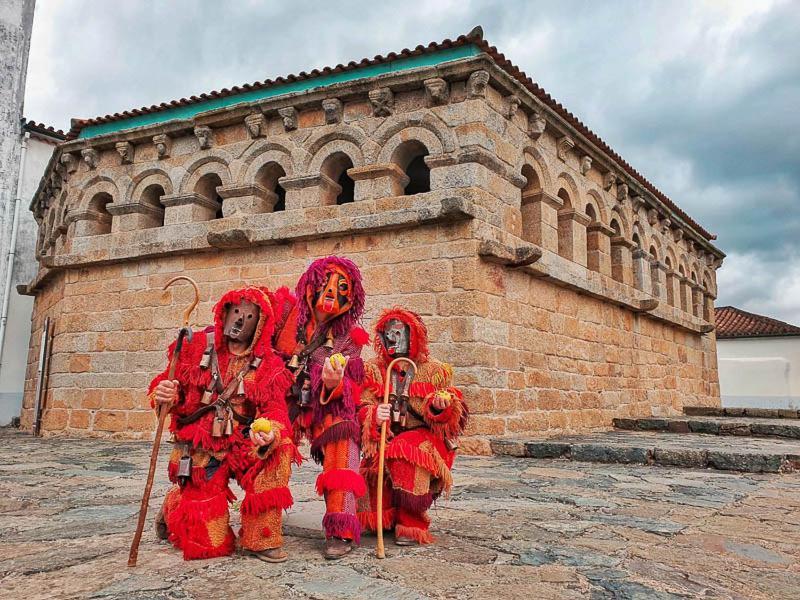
[12,249]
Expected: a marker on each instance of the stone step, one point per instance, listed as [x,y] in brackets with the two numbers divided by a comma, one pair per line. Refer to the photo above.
[758,413]
[693,450]
[745,427]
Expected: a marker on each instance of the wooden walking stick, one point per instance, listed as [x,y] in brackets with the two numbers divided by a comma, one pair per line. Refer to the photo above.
[185,332]
[387,392]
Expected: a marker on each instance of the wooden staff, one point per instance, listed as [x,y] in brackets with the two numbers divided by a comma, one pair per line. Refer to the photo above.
[185,332]
[379,551]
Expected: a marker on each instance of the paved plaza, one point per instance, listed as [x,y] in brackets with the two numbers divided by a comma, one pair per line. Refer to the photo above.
[513,528]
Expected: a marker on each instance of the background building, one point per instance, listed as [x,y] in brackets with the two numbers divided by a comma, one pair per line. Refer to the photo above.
[759,360]
[25,149]
[564,287]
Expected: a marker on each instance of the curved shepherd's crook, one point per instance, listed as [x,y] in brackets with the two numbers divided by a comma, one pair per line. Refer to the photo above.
[410,373]
[185,332]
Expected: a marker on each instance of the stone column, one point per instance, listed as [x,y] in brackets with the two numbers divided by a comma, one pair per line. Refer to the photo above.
[188,208]
[658,274]
[673,289]
[598,244]
[697,299]
[708,306]
[308,191]
[621,260]
[130,217]
[642,277]
[378,181]
[572,235]
[247,199]
[540,219]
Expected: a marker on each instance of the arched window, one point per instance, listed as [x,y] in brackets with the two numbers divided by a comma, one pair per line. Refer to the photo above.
[653,252]
[565,241]
[207,188]
[636,240]
[98,204]
[335,168]
[267,177]
[410,157]
[616,228]
[591,212]
[151,196]
[670,282]
[684,301]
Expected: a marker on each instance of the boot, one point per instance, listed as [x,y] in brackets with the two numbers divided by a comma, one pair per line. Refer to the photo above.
[270,555]
[402,540]
[161,525]
[336,547]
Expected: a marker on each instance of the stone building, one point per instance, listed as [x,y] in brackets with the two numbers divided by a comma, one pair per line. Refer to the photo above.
[564,287]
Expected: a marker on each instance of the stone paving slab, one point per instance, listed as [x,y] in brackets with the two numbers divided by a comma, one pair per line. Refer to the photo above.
[513,528]
[741,426]
[759,413]
[697,451]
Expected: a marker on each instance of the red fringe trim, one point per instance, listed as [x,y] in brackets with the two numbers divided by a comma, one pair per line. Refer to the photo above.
[411,502]
[342,525]
[359,336]
[369,520]
[258,503]
[401,449]
[420,535]
[341,479]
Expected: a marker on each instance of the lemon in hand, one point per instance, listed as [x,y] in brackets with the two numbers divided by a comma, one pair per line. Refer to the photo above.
[338,360]
[261,425]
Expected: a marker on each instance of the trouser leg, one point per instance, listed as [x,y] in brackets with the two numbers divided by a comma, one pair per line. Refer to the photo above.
[411,497]
[266,496]
[367,504]
[341,483]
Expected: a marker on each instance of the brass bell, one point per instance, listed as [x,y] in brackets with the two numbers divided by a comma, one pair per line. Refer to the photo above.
[208,395]
[240,389]
[206,360]
[218,427]
[228,424]
[329,341]
[294,362]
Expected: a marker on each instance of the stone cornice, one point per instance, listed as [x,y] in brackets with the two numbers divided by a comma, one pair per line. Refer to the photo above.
[189,198]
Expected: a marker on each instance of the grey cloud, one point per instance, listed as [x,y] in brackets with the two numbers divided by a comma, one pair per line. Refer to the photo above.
[700,97]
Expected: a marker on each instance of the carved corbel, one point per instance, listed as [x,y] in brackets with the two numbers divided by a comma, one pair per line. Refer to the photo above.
[332,108]
[476,84]
[70,162]
[652,216]
[256,125]
[513,103]
[90,157]
[536,125]
[289,116]
[203,135]
[382,100]
[665,225]
[586,164]
[622,192]
[636,201]
[437,92]
[677,234]
[163,144]
[609,179]
[565,144]
[125,151]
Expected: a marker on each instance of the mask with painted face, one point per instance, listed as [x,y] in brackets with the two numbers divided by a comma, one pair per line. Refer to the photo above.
[333,297]
[241,321]
[395,338]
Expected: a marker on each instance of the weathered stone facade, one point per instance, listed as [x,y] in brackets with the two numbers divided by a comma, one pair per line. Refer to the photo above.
[564,288]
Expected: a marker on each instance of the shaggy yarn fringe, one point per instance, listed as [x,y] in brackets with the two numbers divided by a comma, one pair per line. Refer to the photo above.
[342,525]
[341,479]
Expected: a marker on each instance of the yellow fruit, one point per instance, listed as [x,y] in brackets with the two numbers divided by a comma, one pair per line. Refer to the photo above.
[261,425]
[338,360]
[444,395]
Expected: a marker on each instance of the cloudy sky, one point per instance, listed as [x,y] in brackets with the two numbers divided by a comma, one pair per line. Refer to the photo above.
[701,97]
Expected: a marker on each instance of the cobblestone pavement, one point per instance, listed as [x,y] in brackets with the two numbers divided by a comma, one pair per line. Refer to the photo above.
[514,528]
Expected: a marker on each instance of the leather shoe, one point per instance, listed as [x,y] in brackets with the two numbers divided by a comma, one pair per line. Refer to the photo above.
[337,548]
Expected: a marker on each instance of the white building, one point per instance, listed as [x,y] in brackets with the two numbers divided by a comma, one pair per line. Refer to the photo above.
[759,360]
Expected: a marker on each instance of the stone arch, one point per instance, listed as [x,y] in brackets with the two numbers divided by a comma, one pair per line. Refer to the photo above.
[218,165]
[263,154]
[533,157]
[344,138]
[416,123]
[638,236]
[655,249]
[101,183]
[619,215]
[424,137]
[335,167]
[335,147]
[567,183]
[409,156]
[145,179]
[595,199]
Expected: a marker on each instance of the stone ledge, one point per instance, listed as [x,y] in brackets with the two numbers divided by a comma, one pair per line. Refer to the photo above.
[774,428]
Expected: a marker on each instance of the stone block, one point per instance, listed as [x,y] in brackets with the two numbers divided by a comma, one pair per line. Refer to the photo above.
[688,458]
[611,454]
[547,449]
[745,462]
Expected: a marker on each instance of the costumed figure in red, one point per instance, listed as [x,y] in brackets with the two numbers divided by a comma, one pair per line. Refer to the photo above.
[226,377]
[425,425]
[319,337]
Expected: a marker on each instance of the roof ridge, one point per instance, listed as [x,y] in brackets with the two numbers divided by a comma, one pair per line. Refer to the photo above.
[737,322]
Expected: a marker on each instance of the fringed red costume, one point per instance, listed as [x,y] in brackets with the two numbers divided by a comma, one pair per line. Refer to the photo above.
[195,509]
[315,324]
[420,453]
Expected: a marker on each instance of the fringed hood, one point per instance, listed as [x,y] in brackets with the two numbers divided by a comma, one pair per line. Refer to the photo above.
[314,277]
[261,345]
[418,334]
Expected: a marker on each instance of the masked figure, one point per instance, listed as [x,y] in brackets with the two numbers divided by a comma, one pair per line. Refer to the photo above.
[321,342]
[226,377]
[423,427]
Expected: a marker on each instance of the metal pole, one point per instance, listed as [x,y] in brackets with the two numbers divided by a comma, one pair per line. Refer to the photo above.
[12,249]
